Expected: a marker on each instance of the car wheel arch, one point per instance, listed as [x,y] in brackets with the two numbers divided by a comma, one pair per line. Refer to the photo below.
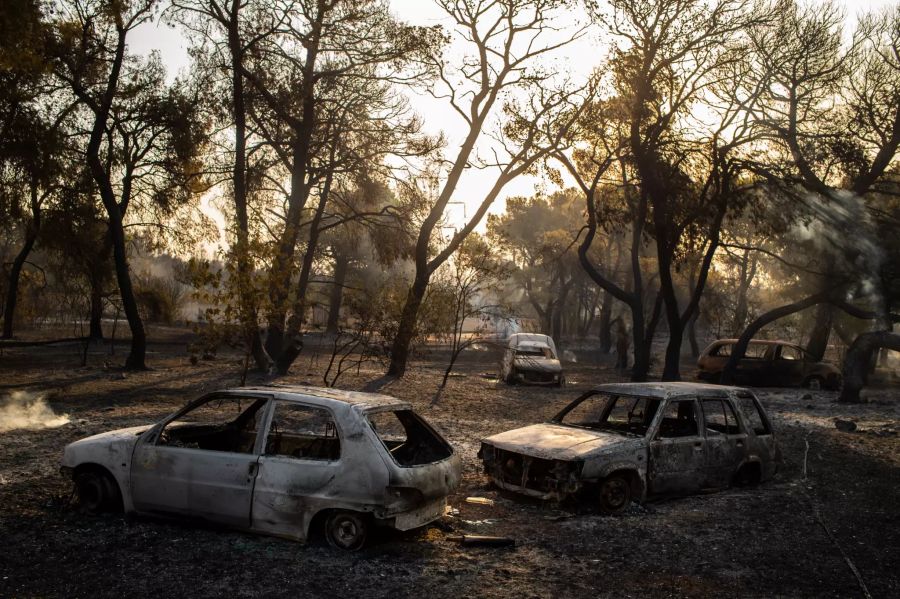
[749,473]
[632,472]
[118,489]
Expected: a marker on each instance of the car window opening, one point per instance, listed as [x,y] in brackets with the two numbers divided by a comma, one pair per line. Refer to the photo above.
[620,414]
[753,417]
[679,420]
[219,424]
[408,439]
[720,417]
[537,352]
[303,432]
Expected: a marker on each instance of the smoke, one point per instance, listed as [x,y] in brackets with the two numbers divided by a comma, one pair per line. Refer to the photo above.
[30,411]
[843,231]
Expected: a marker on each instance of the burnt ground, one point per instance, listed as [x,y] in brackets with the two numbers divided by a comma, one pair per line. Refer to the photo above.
[760,542]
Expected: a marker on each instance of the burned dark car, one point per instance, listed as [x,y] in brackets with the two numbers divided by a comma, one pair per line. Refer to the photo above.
[768,363]
[624,442]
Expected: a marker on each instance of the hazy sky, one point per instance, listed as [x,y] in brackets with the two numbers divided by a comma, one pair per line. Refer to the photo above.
[578,58]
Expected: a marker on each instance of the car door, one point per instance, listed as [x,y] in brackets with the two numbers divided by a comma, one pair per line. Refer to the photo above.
[677,449]
[300,469]
[726,442]
[787,366]
[202,462]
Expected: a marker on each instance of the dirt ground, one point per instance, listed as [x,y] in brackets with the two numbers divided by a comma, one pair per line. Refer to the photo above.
[787,538]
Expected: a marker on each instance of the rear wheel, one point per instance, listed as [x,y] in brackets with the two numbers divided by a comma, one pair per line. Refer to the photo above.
[814,383]
[347,530]
[614,494]
[97,491]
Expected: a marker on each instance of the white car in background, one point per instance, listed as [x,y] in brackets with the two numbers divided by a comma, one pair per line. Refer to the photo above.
[531,358]
[282,461]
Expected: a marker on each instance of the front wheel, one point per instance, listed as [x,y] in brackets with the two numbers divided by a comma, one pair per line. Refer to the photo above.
[615,494]
[347,530]
[97,492]
[814,383]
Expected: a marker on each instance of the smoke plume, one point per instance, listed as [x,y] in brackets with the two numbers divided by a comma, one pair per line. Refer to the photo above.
[28,410]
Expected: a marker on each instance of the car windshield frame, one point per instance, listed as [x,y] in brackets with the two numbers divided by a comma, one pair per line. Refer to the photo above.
[604,416]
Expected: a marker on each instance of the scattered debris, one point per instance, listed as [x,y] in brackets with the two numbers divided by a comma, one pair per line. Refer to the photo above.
[483,540]
[846,426]
[480,500]
[486,521]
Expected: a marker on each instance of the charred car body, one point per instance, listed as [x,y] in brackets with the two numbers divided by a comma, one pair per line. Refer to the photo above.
[768,363]
[278,461]
[623,442]
[531,358]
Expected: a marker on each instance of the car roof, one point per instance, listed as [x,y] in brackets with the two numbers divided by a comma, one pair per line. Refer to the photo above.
[757,341]
[359,399]
[667,390]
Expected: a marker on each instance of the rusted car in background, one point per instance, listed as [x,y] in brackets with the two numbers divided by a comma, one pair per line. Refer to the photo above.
[276,460]
[768,364]
[531,358]
[624,442]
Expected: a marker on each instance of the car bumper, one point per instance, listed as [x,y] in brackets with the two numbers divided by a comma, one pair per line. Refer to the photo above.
[419,517]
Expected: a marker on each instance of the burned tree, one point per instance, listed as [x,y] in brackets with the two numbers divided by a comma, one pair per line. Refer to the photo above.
[503,41]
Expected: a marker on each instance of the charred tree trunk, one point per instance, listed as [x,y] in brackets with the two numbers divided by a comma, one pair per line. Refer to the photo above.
[137,354]
[12,292]
[292,347]
[336,297]
[559,312]
[31,234]
[96,319]
[406,330]
[748,273]
[606,323]
[821,331]
[858,359]
[692,335]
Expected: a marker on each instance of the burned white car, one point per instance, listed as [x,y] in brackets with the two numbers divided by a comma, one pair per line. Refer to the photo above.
[623,442]
[283,461]
[531,358]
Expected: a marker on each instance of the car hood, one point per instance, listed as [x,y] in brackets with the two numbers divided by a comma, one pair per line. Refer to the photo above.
[112,436]
[104,448]
[558,442]
[537,364]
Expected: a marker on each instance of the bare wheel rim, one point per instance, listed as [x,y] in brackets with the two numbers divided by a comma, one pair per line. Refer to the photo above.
[347,531]
[614,493]
[815,383]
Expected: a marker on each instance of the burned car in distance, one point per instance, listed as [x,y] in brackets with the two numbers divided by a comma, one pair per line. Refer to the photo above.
[531,358]
[624,442]
[282,461]
[768,363]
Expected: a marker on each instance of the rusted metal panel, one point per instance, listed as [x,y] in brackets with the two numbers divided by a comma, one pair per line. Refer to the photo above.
[682,450]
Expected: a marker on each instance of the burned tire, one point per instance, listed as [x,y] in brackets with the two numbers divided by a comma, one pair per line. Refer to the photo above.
[748,475]
[97,491]
[814,383]
[347,530]
[614,494]
[512,378]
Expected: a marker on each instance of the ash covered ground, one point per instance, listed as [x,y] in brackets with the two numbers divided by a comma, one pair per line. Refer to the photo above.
[767,541]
